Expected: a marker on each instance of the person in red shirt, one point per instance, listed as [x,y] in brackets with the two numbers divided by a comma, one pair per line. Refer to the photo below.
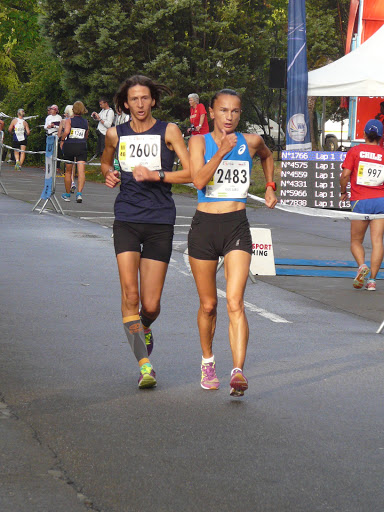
[198,115]
[380,117]
[364,168]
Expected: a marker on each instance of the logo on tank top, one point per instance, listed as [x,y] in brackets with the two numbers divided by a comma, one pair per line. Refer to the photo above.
[241,149]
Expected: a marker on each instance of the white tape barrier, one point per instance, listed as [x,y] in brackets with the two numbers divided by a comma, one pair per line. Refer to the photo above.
[315,212]
[43,153]
[24,150]
[13,117]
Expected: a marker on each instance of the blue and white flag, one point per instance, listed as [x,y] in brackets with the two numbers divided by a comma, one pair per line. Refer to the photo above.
[298,134]
[49,165]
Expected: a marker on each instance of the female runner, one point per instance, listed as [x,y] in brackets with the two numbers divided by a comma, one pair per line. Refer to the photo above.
[144,209]
[364,168]
[221,164]
[75,137]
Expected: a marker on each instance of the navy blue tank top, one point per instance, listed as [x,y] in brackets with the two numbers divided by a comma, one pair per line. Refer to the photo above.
[79,127]
[144,202]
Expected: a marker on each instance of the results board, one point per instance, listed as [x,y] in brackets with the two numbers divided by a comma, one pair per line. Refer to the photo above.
[311,178]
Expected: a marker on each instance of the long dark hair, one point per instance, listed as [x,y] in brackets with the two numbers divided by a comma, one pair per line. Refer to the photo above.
[155,89]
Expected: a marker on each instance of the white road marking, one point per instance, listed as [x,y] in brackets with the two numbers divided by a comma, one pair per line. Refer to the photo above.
[88,211]
[248,305]
[98,217]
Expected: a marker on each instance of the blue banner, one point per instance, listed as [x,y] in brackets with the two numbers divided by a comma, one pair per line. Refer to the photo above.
[298,134]
[49,162]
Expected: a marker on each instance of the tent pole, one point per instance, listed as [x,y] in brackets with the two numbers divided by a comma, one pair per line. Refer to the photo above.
[323,124]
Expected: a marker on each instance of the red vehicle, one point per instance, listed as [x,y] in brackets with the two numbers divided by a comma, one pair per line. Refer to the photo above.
[365,18]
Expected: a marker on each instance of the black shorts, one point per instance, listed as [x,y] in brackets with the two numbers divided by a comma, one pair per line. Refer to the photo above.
[216,234]
[153,241]
[73,151]
[16,144]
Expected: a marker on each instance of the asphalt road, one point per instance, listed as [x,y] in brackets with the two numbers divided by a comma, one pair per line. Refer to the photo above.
[308,435]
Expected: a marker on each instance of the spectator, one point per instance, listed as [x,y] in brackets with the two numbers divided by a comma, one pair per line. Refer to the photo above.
[198,115]
[4,155]
[120,117]
[380,117]
[105,118]
[53,120]
[21,131]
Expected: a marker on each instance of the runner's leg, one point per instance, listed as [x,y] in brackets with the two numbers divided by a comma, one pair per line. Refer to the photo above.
[22,154]
[81,176]
[236,266]
[358,230]
[67,177]
[128,264]
[152,277]
[204,273]
[17,155]
[377,232]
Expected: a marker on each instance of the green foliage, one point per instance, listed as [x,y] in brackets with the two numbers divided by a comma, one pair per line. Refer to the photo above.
[58,52]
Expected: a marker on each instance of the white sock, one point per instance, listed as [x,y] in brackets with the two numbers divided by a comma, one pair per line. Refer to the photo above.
[235,370]
[209,360]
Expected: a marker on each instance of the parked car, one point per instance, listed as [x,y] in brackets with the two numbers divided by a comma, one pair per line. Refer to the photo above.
[268,130]
[336,135]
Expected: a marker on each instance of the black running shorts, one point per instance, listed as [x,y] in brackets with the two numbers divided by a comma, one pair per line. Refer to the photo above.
[216,234]
[16,144]
[73,151]
[153,241]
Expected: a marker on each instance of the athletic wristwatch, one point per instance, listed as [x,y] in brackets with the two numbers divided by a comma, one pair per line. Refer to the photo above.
[271,184]
[161,175]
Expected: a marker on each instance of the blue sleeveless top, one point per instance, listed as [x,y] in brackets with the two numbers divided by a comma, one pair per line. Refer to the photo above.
[146,201]
[239,152]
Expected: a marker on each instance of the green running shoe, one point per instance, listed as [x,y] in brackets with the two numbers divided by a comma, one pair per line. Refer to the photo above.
[147,377]
[149,340]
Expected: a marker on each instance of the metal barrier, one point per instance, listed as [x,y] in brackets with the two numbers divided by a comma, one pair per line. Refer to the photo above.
[48,193]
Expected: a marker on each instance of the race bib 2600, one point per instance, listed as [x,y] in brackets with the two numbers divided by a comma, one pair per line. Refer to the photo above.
[140,150]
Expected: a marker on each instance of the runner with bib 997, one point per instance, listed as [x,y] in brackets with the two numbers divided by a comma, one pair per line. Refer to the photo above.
[221,164]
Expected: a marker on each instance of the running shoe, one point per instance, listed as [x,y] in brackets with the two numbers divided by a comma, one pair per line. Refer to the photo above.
[73,187]
[17,166]
[362,273]
[147,377]
[66,197]
[238,382]
[148,340]
[79,197]
[371,285]
[209,378]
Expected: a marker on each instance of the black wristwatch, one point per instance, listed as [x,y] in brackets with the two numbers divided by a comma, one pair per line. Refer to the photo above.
[161,175]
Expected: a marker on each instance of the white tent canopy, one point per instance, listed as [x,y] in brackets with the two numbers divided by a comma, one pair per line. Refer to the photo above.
[359,73]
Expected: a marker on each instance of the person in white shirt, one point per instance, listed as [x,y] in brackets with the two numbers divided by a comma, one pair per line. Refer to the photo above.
[120,117]
[53,120]
[20,130]
[105,118]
